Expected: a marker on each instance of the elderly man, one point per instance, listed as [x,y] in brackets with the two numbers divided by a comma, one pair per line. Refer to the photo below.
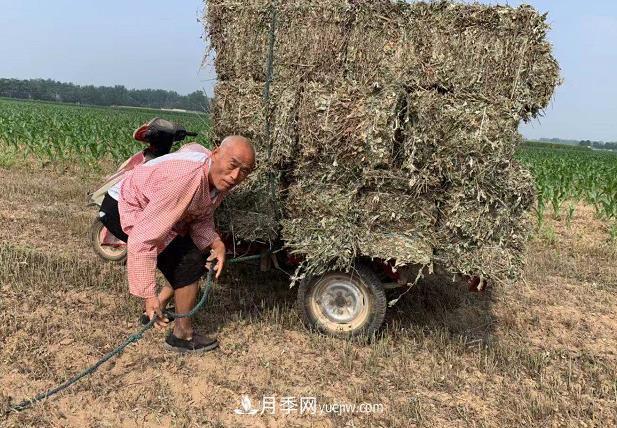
[164,210]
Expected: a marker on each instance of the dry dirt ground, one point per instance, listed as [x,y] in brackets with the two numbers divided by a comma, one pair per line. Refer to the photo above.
[541,353]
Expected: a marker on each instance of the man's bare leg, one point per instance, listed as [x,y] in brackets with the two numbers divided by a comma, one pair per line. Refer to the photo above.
[165,295]
[183,338]
[185,298]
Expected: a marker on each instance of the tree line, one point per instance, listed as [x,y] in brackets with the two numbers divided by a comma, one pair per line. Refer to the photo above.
[51,90]
[598,145]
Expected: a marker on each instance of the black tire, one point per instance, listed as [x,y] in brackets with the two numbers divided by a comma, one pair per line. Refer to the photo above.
[360,286]
[115,256]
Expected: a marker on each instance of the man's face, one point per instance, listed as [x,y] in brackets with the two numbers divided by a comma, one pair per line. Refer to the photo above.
[230,166]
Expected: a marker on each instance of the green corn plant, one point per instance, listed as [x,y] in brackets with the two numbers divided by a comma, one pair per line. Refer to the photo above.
[62,132]
[612,230]
[570,214]
[571,176]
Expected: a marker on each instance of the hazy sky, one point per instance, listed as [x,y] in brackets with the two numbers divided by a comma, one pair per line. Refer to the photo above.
[157,44]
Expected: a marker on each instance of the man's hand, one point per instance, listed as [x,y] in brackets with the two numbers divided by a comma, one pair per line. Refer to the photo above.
[217,252]
[153,309]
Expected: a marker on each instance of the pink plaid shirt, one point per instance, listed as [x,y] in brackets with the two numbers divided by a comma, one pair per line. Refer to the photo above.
[159,200]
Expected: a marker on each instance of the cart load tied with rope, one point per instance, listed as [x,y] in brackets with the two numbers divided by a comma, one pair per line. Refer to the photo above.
[386,134]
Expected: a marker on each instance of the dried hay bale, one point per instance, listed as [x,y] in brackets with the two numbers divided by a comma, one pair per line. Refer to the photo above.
[397,226]
[250,211]
[448,136]
[239,108]
[392,127]
[488,215]
[304,53]
[494,51]
[489,51]
[237,32]
[347,125]
[318,223]
[379,47]
[329,222]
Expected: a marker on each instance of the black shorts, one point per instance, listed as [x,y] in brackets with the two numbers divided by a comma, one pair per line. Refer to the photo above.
[181,262]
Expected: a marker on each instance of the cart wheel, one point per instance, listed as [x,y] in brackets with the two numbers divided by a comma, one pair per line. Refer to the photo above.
[343,304]
[106,252]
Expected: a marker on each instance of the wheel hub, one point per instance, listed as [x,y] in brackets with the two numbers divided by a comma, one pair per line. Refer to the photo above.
[340,300]
[343,304]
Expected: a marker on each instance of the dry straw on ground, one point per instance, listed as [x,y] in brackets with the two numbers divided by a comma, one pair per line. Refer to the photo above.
[391,127]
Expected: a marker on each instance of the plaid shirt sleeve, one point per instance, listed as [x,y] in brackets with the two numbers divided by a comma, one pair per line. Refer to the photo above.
[165,207]
[203,232]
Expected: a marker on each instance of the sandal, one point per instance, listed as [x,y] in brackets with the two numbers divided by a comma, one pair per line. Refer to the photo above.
[193,346]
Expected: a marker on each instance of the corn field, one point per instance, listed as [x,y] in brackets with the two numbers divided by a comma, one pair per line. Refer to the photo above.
[51,131]
[566,175]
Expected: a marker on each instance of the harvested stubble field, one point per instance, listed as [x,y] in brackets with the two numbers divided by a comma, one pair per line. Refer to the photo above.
[541,353]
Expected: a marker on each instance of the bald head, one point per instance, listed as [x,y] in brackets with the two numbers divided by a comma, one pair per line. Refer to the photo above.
[240,146]
[237,140]
[232,162]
